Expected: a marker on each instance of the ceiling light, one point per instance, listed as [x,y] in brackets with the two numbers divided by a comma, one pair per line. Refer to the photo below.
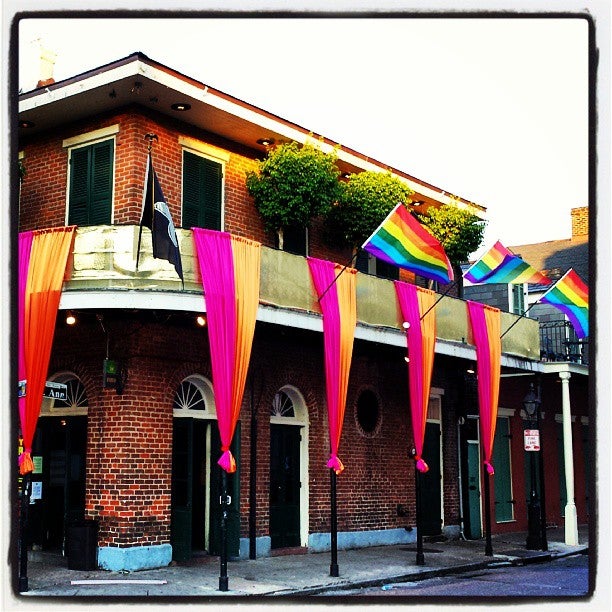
[266,142]
[406,325]
[407,359]
[201,320]
[470,371]
[181,106]
[417,202]
[70,318]
[26,124]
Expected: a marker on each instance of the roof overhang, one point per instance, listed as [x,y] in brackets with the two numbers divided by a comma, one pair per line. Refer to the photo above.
[136,79]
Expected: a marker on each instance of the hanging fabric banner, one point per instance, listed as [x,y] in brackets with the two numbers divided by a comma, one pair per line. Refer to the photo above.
[485,330]
[339,308]
[421,340]
[230,270]
[44,266]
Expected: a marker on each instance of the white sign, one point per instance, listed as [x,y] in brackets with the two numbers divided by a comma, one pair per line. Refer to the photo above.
[532,439]
[36,490]
[54,390]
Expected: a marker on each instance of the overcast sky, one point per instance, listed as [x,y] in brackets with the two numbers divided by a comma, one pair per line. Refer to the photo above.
[492,110]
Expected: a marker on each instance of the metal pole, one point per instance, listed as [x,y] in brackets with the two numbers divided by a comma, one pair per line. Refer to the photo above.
[223,580]
[521,316]
[253,480]
[450,286]
[420,557]
[338,275]
[543,538]
[333,568]
[26,491]
[488,545]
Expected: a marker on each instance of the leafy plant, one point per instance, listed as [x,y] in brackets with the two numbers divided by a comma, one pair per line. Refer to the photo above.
[459,231]
[366,199]
[294,184]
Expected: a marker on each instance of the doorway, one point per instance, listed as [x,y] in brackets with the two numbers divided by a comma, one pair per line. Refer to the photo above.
[58,481]
[284,486]
[288,495]
[473,524]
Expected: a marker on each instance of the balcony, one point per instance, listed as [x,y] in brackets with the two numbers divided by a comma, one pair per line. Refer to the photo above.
[558,342]
[104,271]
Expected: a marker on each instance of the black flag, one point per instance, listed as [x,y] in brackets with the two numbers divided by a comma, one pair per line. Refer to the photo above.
[156,216]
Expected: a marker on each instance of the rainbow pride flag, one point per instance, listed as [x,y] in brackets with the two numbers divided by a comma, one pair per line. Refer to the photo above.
[571,296]
[500,265]
[402,241]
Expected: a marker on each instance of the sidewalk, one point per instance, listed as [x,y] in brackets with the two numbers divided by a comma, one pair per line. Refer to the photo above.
[293,575]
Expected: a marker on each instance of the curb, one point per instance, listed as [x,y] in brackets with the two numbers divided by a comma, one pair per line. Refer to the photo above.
[498,561]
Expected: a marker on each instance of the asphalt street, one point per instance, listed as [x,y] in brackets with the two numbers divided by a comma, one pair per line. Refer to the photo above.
[565,577]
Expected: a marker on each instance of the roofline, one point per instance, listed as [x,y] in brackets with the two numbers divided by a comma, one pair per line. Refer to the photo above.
[348,152]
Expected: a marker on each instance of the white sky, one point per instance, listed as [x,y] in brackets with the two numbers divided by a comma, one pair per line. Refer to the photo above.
[493,110]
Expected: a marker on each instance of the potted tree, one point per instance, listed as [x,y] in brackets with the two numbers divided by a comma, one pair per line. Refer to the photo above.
[292,185]
[459,231]
[365,200]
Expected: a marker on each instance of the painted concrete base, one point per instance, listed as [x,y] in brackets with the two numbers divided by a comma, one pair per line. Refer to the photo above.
[134,558]
[452,532]
[262,547]
[321,542]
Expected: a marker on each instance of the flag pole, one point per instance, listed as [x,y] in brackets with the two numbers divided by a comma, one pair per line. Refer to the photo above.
[521,316]
[450,286]
[338,275]
[150,138]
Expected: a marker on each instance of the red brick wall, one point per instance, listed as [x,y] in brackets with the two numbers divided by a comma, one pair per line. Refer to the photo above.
[43,193]
[129,455]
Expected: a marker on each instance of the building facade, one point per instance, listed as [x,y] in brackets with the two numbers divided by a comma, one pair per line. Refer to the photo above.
[134,446]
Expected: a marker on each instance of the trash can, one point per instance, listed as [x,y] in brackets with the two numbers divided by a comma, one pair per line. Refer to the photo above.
[82,545]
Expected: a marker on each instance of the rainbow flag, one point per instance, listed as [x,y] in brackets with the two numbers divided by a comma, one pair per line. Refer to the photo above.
[571,296]
[500,265]
[402,241]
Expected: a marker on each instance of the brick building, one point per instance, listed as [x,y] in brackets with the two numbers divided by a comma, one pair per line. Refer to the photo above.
[140,459]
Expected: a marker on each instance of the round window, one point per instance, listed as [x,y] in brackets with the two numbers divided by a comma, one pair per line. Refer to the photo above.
[368,412]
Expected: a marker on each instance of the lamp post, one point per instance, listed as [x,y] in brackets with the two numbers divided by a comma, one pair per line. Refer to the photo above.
[531,403]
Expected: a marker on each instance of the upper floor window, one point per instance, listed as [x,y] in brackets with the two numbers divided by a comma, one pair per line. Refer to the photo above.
[295,240]
[517,304]
[91,177]
[370,265]
[202,192]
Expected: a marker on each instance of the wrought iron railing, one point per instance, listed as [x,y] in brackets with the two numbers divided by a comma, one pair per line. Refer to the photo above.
[558,342]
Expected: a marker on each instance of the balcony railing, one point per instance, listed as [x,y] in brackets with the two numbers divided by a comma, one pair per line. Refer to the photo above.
[560,343]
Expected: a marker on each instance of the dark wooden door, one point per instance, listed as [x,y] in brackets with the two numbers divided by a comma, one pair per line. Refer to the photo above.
[431,483]
[182,493]
[284,486]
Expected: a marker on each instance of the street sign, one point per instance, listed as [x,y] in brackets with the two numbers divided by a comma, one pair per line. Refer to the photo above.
[56,391]
[532,439]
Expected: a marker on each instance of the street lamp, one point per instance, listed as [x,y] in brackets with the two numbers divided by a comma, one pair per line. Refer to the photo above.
[531,403]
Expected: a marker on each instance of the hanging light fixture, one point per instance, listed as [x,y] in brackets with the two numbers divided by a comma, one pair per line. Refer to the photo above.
[70,318]
[201,320]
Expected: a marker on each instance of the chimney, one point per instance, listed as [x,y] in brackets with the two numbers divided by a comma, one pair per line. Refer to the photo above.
[580,222]
[47,62]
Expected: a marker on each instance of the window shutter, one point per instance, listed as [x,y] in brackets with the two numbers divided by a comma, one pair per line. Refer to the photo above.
[91,184]
[202,189]
[77,200]
[190,191]
[211,175]
[101,183]
[362,263]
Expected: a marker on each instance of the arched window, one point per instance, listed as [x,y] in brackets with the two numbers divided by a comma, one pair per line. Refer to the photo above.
[289,407]
[194,398]
[76,402]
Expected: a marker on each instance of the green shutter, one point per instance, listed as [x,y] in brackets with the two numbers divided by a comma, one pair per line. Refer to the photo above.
[101,183]
[77,200]
[503,477]
[202,189]
[91,184]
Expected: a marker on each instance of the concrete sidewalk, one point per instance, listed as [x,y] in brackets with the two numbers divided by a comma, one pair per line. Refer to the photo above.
[295,575]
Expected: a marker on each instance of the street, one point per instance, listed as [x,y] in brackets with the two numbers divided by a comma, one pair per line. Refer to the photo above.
[566,577]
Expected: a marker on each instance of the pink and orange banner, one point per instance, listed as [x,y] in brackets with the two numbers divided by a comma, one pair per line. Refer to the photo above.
[416,305]
[339,307]
[230,270]
[485,324]
[43,255]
